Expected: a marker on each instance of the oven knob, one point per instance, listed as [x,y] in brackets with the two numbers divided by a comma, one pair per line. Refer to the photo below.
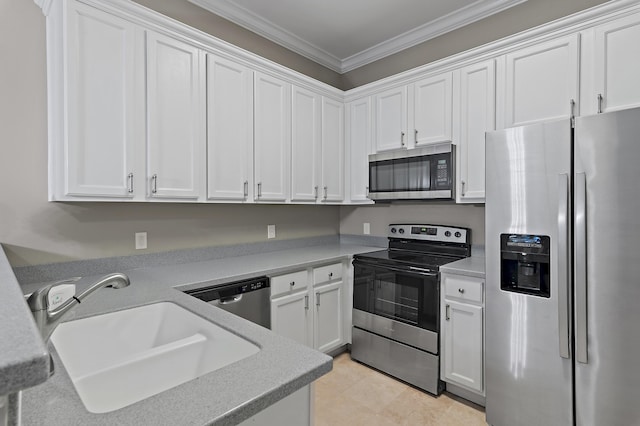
[401,230]
[393,230]
[447,233]
[458,234]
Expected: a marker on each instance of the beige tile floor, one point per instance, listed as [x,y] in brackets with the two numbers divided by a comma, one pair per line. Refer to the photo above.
[353,394]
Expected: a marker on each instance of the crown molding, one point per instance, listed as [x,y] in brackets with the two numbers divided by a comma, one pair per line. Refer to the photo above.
[465,16]
[255,23]
[45,5]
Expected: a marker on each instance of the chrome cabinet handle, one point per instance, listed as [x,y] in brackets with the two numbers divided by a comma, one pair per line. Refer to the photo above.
[325,192]
[292,283]
[306,302]
[563,264]
[572,107]
[463,183]
[446,313]
[461,290]
[415,135]
[246,188]
[402,138]
[580,256]
[599,103]
[130,183]
[315,189]
[154,183]
[317,299]
[330,275]
[259,189]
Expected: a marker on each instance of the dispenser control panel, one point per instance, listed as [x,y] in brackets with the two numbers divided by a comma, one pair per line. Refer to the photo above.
[525,264]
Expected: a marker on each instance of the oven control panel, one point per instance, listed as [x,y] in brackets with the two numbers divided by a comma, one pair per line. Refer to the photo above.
[450,234]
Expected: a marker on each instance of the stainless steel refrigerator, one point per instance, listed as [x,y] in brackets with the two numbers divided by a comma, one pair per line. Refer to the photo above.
[563,272]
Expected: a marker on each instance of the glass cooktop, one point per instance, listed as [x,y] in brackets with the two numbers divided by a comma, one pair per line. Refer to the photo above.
[408,258]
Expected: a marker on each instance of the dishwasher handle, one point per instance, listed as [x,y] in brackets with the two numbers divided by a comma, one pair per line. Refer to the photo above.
[230,300]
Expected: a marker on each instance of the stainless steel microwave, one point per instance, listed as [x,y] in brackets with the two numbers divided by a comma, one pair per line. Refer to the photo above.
[425,173]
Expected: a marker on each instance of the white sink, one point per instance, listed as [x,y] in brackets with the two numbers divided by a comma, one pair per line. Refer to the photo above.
[120,358]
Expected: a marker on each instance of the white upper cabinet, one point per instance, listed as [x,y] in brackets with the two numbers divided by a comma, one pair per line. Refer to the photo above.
[99,147]
[474,106]
[272,138]
[358,130]
[431,110]
[617,66]
[176,118]
[332,150]
[305,144]
[229,130]
[538,83]
[391,119]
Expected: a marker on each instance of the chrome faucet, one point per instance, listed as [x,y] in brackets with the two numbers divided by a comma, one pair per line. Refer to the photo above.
[48,320]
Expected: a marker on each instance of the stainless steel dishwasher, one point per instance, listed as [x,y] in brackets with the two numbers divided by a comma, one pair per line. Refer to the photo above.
[249,299]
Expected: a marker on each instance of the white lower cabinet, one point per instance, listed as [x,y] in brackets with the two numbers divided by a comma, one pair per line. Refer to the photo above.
[290,317]
[308,306]
[328,327]
[462,332]
[295,409]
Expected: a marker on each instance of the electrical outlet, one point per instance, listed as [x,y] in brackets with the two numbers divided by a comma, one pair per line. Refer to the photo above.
[366,228]
[271,231]
[141,240]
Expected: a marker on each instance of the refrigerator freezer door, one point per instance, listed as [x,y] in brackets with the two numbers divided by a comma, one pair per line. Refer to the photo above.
[607,152]
[527,381]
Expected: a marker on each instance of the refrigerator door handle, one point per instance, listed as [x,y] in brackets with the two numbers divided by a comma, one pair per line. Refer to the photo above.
[580,257]
[563,265]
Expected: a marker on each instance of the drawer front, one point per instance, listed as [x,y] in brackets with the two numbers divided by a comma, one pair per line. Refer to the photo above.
[289,282]
[464,288]
[327,273]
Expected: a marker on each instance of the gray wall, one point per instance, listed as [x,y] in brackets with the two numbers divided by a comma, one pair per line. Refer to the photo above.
[183,11]
[34,231]
[516,19]
[381,215]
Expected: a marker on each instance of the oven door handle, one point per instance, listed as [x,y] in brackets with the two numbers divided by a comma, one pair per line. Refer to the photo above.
[410,270]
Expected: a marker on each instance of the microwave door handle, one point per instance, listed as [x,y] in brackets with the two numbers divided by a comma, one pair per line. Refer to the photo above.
[580,259]
[563,265]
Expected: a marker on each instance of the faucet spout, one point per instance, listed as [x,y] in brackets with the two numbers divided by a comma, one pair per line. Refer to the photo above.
[48,320]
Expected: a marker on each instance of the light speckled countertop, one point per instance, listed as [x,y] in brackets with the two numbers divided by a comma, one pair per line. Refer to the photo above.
[226,396]
[470,266]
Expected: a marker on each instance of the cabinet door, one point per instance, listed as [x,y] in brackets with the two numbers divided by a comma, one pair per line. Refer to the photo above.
[475,111]
[391,119]
[305,145]
[617,67]
[176,114]
[272,138]
[101,95]
[229,130]
[539,82]
[359,143]
[328,316]
[462,352]
[432,110]
[332,150]
[291,317]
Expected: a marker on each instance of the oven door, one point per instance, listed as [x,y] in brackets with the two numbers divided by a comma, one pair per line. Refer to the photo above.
[397,303]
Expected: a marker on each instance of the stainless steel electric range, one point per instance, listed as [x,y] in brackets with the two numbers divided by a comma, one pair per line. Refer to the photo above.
[396,301]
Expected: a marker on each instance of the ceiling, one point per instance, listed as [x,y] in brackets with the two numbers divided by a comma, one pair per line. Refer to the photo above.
[346,34]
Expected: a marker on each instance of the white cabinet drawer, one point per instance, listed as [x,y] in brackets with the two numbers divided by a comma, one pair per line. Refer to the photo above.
[327,273]
[289,282]
[463,288]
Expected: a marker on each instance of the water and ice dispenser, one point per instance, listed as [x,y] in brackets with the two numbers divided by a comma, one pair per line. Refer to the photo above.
[524,260]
